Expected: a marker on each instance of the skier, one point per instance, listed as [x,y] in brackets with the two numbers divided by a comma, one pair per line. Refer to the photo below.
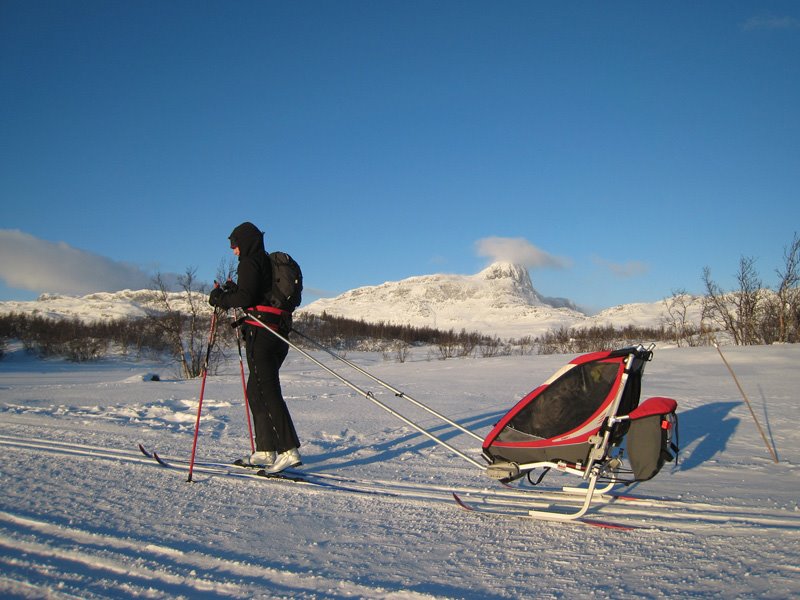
[276,438]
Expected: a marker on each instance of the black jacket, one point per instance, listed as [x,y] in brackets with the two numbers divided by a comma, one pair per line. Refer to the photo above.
[254,276]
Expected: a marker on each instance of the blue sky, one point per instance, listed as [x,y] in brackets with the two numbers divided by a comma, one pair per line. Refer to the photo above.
[617,148]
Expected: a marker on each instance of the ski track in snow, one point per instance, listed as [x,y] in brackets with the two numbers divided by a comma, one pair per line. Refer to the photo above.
[67,557]
[83,514]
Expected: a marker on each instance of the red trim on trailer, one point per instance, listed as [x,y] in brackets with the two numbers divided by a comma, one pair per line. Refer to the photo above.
[653,406]
[584,358]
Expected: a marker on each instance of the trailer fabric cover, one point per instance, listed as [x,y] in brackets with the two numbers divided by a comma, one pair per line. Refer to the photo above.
[566,404]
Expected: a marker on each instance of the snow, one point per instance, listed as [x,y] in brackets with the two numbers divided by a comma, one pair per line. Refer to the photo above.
[84,515]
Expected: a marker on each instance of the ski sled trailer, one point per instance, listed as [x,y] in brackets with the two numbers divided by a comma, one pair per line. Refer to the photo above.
[579,422]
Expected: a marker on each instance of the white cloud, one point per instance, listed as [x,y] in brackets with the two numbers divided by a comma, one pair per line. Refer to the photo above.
[30,263]
[627,270]
[519,251]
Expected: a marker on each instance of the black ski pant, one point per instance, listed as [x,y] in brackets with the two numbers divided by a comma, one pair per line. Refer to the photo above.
[273,424]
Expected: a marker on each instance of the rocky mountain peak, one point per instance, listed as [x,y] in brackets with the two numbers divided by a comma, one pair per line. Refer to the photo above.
[507,270]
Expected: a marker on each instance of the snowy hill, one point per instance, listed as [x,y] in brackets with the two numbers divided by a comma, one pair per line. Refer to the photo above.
[500,300]
[98,306]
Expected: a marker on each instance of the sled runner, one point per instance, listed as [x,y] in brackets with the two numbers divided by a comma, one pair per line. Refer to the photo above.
[576,423]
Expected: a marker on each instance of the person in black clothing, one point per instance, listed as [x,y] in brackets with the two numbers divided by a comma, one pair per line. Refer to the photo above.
[276,438]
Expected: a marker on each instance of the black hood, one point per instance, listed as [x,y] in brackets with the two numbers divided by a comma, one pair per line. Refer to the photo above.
[249,239]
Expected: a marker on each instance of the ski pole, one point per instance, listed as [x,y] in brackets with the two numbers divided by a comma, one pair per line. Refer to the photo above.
[368,395]
[244,391]
[211,334]
[770,449]
[389,387]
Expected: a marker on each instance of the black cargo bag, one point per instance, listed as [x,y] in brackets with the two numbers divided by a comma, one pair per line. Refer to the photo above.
[652,437]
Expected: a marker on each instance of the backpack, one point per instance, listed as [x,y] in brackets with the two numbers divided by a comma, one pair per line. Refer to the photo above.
[287,282]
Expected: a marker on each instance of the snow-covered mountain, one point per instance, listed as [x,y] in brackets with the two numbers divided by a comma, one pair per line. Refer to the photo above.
[500,300]
[99,306]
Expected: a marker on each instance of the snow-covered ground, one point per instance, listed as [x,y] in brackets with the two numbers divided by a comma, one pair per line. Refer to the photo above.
[84,515]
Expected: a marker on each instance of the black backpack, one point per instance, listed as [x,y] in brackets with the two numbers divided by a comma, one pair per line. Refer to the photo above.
[287,282]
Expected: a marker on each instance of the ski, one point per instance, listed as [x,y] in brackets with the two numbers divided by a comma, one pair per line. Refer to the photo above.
[517,515]
[247,472]
[231,470]
[607,497]
[290,477]
[290,474]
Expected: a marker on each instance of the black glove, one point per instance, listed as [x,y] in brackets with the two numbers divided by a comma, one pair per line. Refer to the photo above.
[215,296]
[230,286]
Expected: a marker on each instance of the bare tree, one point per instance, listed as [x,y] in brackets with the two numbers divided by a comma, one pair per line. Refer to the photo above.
[401,350]
[740,312]
[490,346]
[226,270]
[716,308]
[788,293]
[183,319]
[525,345]
[677,319]
[748,301]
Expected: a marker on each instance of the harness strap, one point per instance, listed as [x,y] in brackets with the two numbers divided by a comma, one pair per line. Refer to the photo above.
[272,317]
